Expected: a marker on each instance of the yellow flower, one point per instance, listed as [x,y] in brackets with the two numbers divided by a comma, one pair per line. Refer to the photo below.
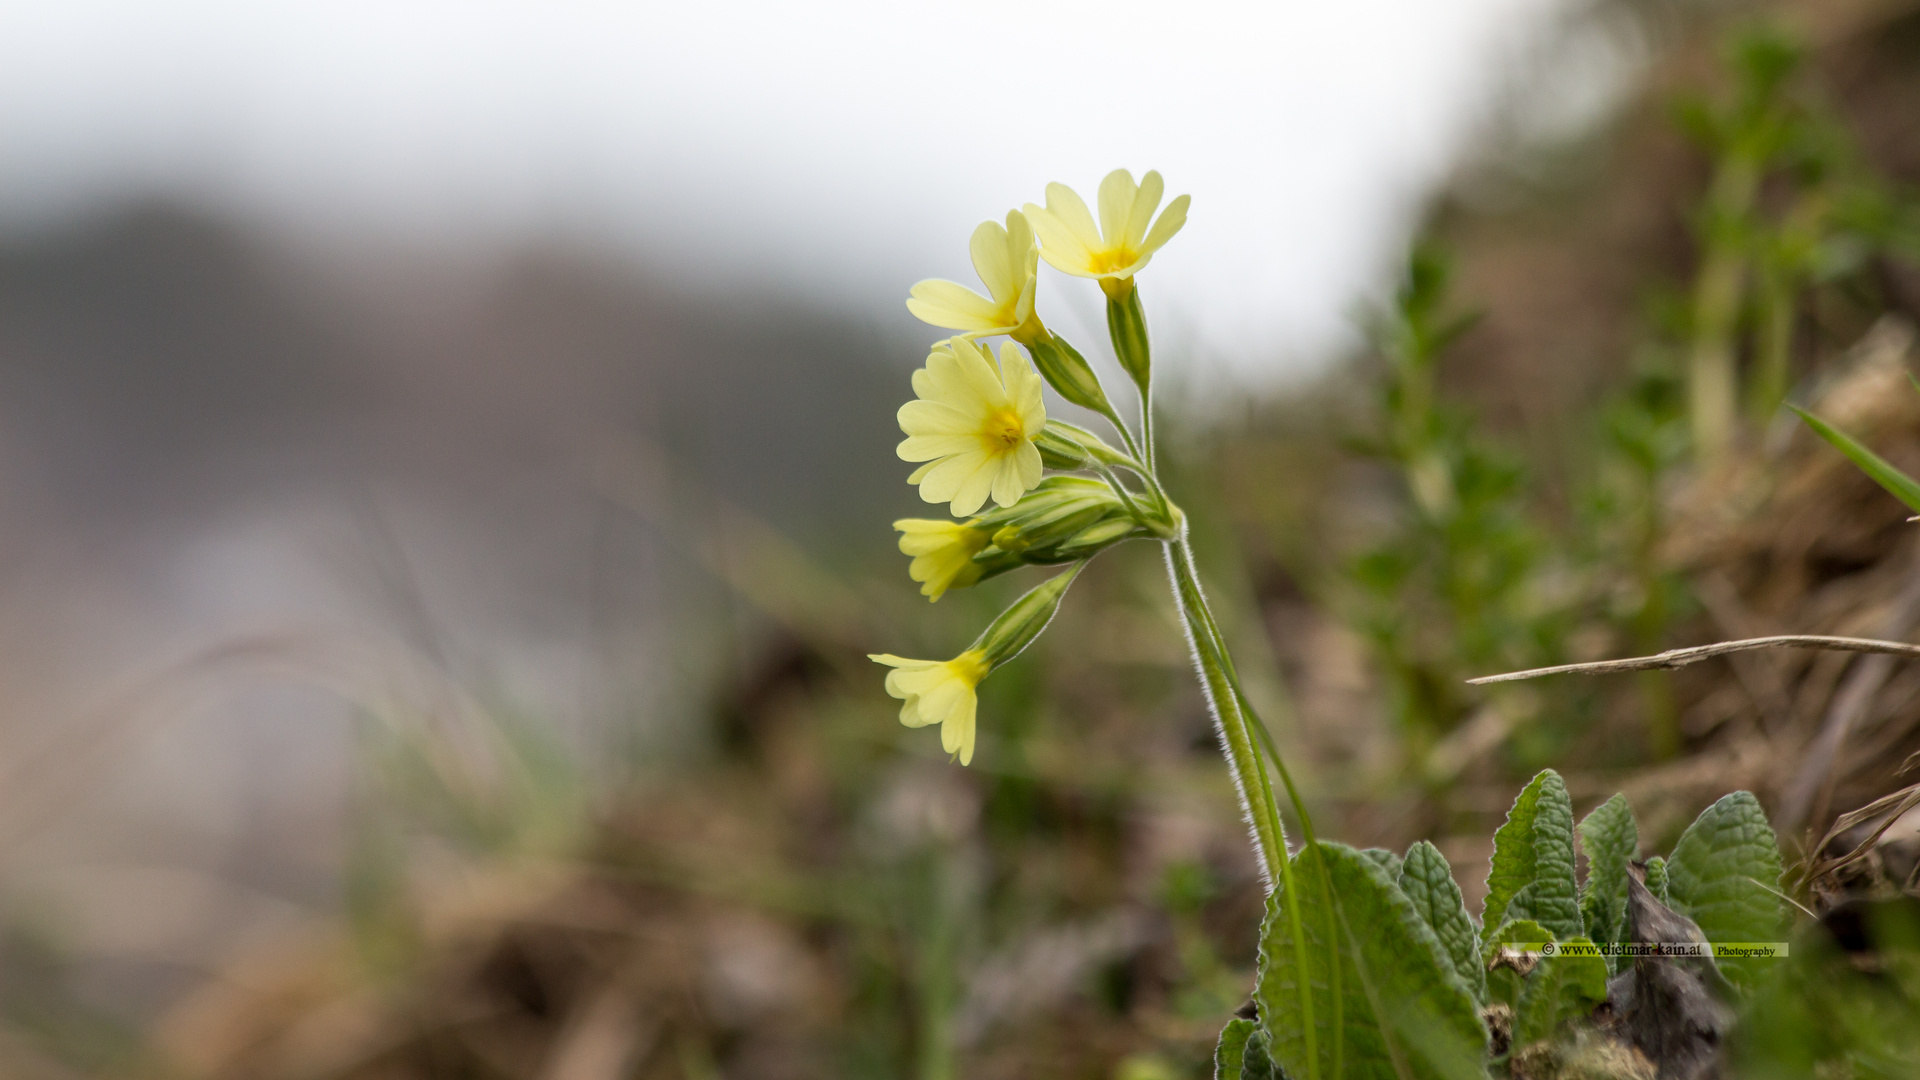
[1005,260]
[939,692]
[1122,245]
[942,553]
[973,424]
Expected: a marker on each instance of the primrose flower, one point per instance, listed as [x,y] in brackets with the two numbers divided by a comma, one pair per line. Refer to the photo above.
[942,553]
[973,423]
[939,692]
[1122,245]
[1005,259]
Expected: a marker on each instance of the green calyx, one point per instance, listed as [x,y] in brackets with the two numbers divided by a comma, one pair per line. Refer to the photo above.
[1017,626]
[1127,326]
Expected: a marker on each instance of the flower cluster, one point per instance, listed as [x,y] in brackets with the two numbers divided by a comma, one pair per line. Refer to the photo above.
[978,430]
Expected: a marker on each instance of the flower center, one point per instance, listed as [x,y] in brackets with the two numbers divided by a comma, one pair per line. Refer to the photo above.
[1118,258]
[1003,429]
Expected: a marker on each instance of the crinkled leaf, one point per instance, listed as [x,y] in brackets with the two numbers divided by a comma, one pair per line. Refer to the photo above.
[1427,880]
[1560,988]
[1257,1061]
[1231,1050]
[1532,874]
[1723,875]
[1503,982]
[1610,836]
[1402,1012]
[1898,484]
[1388,860]
[1657,877]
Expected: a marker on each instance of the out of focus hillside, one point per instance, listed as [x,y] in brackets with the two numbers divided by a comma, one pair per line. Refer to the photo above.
[560,755]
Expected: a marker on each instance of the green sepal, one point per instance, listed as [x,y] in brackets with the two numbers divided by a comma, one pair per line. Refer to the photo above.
[1068,372]
[1127,326]
[1403,1013]
[1610,836]
[1231,1050]
[1724,874]
[1532,874]
[1427,880]
[1882,471]
[1561,987]
[1017,626]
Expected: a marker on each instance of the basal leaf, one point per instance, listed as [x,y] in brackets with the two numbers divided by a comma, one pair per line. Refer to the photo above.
[1657,877]
[1723,875]
[1231,1050]
[1610,836]
[1503,980]
[1532,875]
[1427,880]
[1560,988]
[1403,1012]
[1388,860]
[1883,472]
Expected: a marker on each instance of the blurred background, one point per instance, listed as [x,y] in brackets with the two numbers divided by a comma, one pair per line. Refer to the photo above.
[446,454]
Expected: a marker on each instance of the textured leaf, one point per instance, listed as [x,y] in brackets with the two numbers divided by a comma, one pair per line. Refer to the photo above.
[1720,876]
[1898,484]
[1231,1049]
[1401,1011]
[1657,877]
[1610,836]
[1388,860]
[1256,1062]
[1427,880]
[1532,875]
[1560,988]
[1503,982]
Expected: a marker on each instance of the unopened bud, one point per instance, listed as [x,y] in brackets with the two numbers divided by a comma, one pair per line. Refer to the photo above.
[1127,326]
[1067,371]
[1017,626]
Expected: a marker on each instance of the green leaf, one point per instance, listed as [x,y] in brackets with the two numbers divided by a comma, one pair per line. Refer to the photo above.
[1503,982]
[1232,1048]
[1610,836]
[1560,988]
[1403,1013]
[1657,877]
[1427,880]
[1388,860]
[1883,472]
[1532,874]
[1724,875]
[1257,1062]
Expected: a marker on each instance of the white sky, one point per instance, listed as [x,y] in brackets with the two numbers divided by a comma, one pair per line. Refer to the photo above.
[848,147]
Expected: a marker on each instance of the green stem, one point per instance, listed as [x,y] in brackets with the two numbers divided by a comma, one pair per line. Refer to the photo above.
[1239,728]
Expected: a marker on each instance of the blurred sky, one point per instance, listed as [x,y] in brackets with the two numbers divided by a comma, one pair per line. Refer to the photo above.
[843,148]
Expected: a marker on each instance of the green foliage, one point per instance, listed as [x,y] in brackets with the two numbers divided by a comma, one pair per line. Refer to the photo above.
[1456,587]
[1504,982]
[1610,836]
[1532,874]
[1883,472]
[1724,874]
[1841,1012]
[1388,860]
[1427,880]
[1657,877]
[1561,988]
[1400,1010]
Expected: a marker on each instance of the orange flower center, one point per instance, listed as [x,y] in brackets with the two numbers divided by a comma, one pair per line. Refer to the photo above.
[1004,428]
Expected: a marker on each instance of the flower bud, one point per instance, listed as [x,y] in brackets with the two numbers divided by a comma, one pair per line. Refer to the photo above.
[1017,626]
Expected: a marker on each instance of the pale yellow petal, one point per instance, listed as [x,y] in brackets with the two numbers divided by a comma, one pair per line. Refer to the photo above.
[1058,245]
[1169,223]
[945,480]
[966,722]
[955,375]
[1023,389]
[1116,206]
[920,473]
[952,305]
[982,382]
[899,661]
[923,417]
[1145,202]
[922,383]
[991,260]
[1007,487]
[928,447]
[1027,460]
[972,491]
